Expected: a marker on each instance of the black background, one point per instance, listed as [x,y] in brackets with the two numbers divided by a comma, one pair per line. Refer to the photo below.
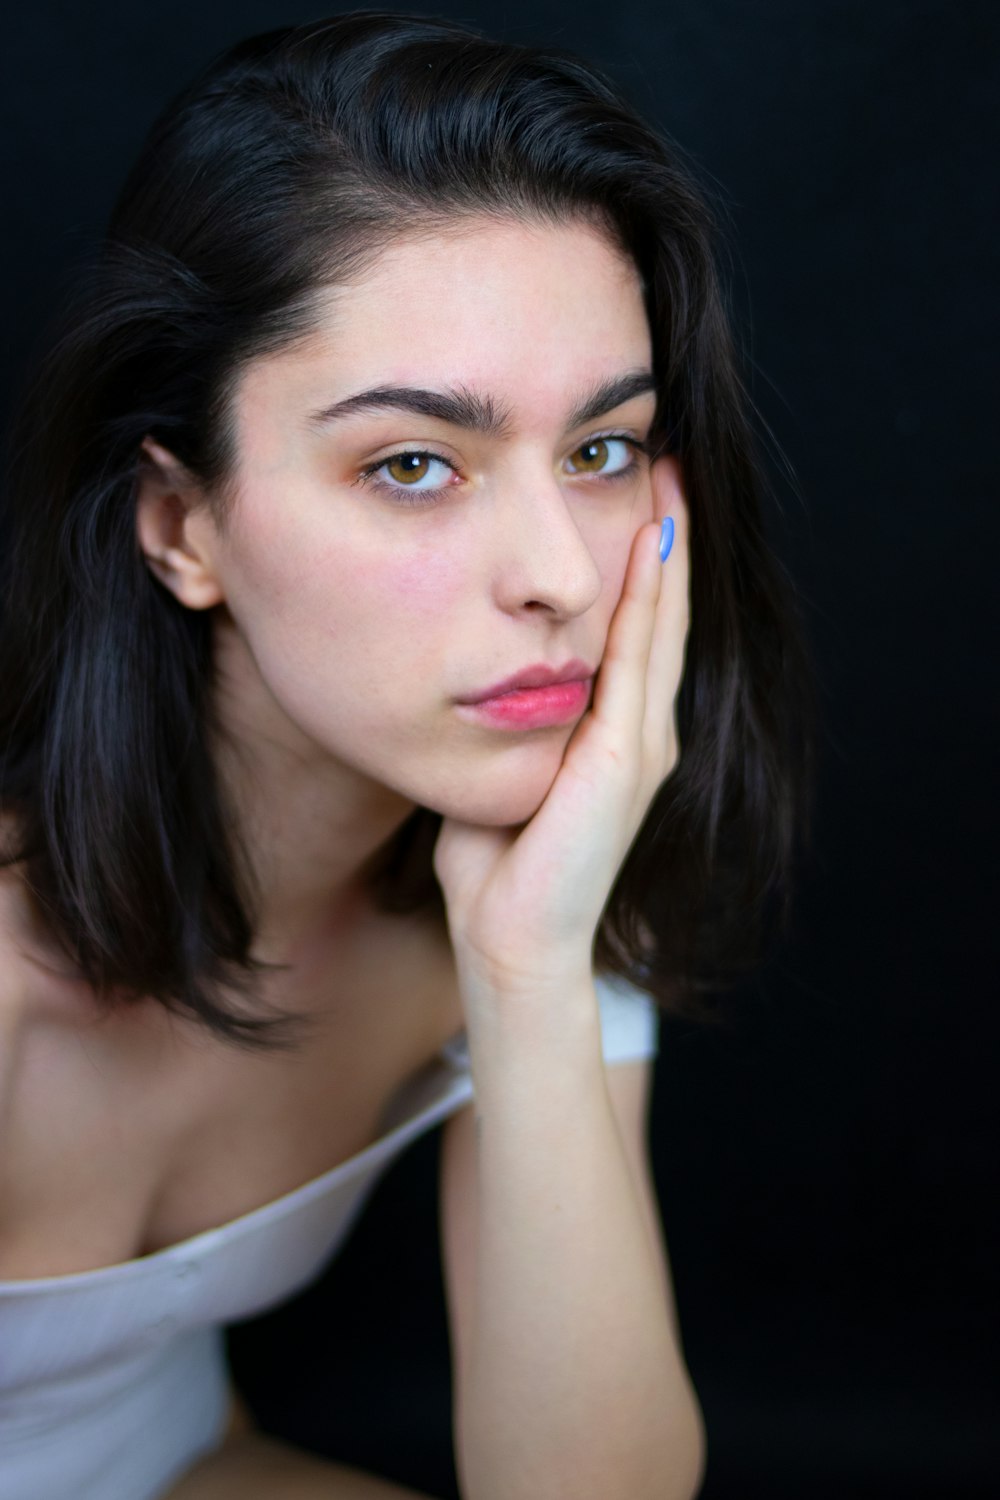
[824,1165]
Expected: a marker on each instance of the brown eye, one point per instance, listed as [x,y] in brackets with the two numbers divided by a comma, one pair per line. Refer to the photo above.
[425,475]
[407,468]
[609,457]
[589,458]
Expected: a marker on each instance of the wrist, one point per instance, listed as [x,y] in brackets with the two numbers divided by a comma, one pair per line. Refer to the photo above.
[532,1023]
[516,978]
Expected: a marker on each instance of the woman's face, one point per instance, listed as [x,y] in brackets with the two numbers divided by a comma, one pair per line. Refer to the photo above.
[386,559]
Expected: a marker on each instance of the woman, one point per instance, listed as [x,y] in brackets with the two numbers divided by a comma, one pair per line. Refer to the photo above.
[349,655]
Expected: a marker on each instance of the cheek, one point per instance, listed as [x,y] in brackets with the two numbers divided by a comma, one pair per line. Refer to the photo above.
[347,608]
[294,556]
[425,584]
[610,551]
[400,607]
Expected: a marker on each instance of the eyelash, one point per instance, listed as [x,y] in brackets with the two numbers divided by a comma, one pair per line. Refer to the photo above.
[399,496]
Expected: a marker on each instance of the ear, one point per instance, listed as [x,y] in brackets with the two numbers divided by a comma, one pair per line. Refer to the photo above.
[175,528]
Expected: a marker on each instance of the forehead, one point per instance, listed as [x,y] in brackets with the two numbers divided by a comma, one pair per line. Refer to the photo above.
[529,313]
[502,263]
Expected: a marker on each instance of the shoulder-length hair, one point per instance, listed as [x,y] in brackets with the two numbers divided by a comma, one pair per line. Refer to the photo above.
[284,168]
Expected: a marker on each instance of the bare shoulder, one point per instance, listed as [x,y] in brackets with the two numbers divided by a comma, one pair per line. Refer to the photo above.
[38,990]
[21,998]
[36,978]
[15,969]
[67,1202]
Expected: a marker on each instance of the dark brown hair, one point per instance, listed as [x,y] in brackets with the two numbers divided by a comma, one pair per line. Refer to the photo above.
[287,164]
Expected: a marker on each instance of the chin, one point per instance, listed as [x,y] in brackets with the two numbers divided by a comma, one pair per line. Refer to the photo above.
[512,813]
[498,801]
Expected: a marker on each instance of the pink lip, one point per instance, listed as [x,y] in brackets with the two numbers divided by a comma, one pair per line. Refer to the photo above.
[540,676]
[532,708]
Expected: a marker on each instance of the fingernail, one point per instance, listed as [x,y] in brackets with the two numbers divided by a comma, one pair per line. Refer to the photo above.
[666,538]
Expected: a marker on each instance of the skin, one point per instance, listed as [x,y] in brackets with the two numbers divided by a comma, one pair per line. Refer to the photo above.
[347,623]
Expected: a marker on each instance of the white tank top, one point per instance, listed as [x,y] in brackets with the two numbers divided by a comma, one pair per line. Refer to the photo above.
[114,1382]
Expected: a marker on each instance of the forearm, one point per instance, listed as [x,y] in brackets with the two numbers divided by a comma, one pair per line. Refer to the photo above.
[575,1385]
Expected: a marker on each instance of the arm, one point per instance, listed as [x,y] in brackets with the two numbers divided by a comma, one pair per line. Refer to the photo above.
[570,1379]
[572,1382]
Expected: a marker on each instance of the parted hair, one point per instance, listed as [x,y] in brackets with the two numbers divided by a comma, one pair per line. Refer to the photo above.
[283,169]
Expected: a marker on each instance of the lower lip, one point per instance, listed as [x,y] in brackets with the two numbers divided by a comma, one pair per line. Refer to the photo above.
[533,708]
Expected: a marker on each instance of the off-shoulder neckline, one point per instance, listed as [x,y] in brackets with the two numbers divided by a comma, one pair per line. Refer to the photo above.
[455,1083]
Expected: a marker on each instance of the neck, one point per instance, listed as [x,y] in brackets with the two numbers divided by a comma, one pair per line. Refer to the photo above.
[307,825]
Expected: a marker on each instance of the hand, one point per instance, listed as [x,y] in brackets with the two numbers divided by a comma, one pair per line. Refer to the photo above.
[524,904]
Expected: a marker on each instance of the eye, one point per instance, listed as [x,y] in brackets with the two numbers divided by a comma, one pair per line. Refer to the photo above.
[606,456]
[413,477]
[414,471]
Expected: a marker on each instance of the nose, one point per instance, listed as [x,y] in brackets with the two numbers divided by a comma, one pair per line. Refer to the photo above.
[541,559]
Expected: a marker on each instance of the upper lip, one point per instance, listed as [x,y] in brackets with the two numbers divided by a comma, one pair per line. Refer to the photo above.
[537,676]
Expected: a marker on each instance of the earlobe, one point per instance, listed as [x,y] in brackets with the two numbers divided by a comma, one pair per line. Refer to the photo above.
[173,528]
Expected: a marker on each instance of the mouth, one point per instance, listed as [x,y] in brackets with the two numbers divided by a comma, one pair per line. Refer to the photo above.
[540,676]
[532,708]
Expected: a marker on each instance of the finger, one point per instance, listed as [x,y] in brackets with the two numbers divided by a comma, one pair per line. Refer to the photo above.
[620,691]
[672,616]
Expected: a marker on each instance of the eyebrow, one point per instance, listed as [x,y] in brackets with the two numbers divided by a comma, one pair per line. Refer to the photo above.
[466,408]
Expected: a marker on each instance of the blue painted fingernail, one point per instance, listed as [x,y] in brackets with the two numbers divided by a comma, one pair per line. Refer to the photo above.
[666,538]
